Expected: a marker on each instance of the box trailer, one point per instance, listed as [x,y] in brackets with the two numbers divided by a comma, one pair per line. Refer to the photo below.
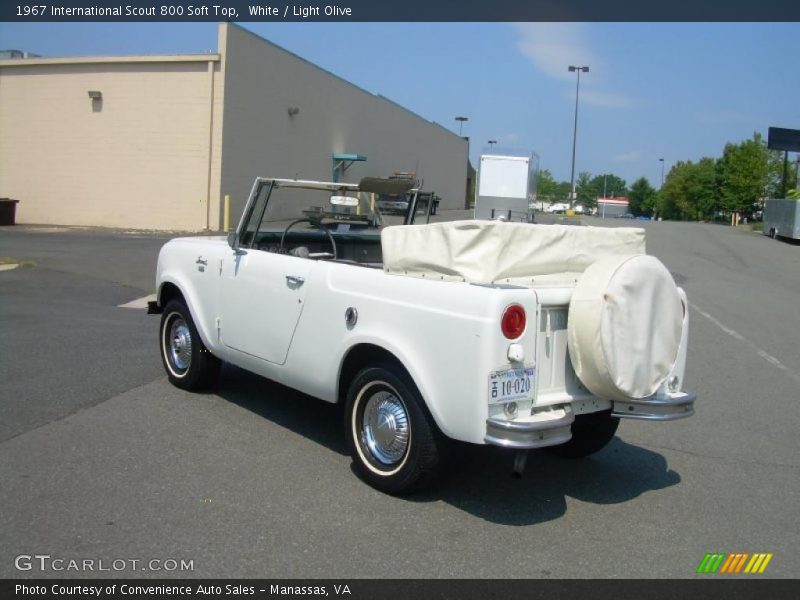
[782,218]
[506,187]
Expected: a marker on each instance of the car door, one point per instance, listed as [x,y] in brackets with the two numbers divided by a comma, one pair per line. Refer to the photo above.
[262,298]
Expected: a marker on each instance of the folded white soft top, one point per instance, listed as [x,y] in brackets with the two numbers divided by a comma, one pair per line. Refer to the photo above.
[496,251]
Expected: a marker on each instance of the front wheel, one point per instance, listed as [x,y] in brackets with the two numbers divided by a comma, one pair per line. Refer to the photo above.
[395,445]
[590,433]
[189,364]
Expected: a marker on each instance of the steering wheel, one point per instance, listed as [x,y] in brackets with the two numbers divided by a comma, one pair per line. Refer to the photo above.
[327,231]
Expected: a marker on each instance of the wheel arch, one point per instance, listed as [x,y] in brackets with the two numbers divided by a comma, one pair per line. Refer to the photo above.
[370,350]
[359,356]
[169,290]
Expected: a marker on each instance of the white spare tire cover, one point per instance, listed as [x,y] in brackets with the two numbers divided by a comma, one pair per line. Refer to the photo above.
[624,327]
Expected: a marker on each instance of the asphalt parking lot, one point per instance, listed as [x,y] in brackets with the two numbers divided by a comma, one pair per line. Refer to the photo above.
[101,458]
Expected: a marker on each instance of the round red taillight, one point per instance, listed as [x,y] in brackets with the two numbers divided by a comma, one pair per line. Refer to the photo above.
[513,322]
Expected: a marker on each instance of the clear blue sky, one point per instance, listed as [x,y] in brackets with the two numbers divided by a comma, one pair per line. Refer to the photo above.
[678,91]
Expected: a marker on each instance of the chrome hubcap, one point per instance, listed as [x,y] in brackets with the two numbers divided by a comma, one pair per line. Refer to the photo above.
[385,427]
[180,344]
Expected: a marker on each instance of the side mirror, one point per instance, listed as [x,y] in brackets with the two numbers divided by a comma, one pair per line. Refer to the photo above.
[233,239]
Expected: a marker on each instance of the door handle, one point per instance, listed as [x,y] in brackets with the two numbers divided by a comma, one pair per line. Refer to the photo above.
[201,261]
[295,281]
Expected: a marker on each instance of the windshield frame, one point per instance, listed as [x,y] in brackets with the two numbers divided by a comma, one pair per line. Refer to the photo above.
[235,237]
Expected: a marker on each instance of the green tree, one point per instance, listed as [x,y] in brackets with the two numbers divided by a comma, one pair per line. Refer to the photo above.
[690,190]
[743,174]
[674,202]
[775,169]
[641,197]
[614,186]
[701,190]
[585,191]
[546,186]
[563,190]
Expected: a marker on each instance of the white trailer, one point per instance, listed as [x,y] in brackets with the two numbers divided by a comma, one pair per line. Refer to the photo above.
[782,218]
[506,187]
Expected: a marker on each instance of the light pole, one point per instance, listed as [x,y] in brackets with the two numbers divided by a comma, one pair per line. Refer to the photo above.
[797,172]
[584,69]
[461,121]
[661,160]
[605,176]
[492,143]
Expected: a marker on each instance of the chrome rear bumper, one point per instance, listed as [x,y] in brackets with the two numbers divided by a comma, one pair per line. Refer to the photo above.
[665,408]
[525,435]
[533,432]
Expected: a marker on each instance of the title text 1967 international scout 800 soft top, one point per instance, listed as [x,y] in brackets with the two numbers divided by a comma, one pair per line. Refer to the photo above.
[513,334]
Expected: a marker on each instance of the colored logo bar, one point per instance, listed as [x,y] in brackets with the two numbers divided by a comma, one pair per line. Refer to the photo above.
[735,563]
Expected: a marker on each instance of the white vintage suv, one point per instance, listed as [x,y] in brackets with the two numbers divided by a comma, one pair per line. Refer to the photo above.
[512,334]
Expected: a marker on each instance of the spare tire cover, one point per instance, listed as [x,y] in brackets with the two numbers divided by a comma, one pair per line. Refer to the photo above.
[624,327]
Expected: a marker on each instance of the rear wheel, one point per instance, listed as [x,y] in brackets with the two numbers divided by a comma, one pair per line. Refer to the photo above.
[188,363]
[590,433]
[395,445]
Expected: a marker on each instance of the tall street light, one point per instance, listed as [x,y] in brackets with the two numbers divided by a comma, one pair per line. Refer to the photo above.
[584,69]
[461,124]
[492,143]
[661,160]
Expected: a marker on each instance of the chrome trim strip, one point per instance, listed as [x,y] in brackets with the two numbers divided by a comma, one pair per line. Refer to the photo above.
[654,417]
[670,408]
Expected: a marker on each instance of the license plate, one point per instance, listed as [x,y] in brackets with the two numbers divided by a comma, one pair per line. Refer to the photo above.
[511,385]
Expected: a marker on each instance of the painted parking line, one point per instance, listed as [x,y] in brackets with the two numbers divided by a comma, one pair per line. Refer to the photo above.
[738,336]
[139,303]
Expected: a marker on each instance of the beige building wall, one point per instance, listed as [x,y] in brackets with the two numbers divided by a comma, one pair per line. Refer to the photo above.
[262,81]
[144,156]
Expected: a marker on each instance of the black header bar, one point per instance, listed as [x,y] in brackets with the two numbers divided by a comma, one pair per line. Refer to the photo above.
[405,10]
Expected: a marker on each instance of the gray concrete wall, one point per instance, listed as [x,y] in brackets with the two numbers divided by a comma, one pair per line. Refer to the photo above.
[260,137]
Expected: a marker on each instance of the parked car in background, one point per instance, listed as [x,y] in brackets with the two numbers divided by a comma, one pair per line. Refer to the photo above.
[558,208]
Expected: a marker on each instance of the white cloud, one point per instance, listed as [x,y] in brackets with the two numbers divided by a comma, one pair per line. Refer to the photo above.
[552,47]
[627,156]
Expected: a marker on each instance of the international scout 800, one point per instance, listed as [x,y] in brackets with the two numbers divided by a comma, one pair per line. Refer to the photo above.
[512,334]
